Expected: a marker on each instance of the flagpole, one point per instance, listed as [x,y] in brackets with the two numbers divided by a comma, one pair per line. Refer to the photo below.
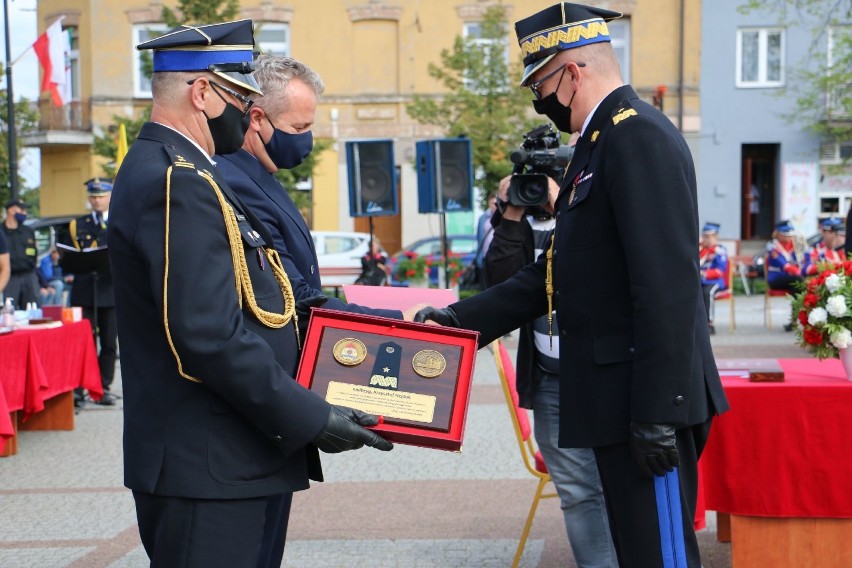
[11,137]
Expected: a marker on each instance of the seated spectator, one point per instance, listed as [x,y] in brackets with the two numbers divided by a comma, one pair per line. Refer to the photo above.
[783,261]
[714,264]
[374,269]
[50,275]
[830,249]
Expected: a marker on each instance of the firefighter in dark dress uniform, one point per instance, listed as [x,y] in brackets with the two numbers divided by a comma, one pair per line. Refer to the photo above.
[638,382]
[216,431]
[90,290]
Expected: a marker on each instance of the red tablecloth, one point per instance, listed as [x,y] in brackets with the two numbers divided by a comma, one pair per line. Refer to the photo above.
[784,449]
[39,364]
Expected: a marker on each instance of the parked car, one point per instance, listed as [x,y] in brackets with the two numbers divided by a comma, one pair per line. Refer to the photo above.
[49,231]
[339,255]
[463,246]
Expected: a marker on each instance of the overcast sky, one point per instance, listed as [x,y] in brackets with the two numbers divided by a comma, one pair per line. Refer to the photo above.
[23,32]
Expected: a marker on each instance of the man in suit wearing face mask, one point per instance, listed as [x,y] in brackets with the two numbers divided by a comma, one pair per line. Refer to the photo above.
[279,137]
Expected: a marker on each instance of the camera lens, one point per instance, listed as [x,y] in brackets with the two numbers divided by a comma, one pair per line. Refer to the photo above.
[528,190]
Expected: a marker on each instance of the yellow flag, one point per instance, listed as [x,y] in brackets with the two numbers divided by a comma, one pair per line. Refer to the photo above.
[121,146]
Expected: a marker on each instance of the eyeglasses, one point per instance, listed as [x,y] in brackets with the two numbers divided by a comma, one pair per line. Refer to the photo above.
[242,98]
[534,87]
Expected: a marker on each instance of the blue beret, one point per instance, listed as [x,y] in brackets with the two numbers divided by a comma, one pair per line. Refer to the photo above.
[226,49]
[785,227]
[562,26]
[711,228]
[98,186]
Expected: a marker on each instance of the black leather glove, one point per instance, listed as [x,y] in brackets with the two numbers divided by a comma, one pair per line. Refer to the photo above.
[303,311]
[443,316]
[343,432]
[653,447]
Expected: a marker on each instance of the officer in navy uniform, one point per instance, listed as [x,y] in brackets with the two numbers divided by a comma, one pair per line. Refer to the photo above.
[215,427]
[86,232]
[639,383]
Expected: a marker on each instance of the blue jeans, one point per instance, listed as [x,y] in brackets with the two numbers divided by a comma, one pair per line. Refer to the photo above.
[575,475]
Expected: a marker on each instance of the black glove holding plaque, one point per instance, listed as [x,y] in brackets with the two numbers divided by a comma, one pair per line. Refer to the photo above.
[303,311]
[344,432]
[443,316]
[653,447]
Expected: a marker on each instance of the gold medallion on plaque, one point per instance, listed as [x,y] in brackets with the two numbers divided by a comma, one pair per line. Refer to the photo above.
[428,363]
[349,351]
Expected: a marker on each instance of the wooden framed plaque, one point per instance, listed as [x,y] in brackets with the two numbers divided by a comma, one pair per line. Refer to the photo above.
[417,377]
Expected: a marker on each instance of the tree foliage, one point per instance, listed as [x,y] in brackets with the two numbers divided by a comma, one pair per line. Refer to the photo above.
[26,120]
[201,12]
[482,99]
[821,81]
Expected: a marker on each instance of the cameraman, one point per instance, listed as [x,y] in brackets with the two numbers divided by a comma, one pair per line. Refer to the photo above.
[517,242]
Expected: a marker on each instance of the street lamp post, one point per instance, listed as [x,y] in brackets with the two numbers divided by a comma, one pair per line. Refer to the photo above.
[11,136]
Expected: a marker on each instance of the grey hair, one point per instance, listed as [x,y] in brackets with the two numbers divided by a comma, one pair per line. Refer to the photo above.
[165,86]
[273,73]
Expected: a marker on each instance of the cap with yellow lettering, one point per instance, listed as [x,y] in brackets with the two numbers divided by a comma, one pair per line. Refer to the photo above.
[225,49]
[562,26]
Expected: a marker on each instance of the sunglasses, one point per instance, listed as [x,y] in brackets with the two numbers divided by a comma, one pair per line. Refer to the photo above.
[535,87]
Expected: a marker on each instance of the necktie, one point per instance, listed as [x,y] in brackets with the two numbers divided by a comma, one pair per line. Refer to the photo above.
[100,217]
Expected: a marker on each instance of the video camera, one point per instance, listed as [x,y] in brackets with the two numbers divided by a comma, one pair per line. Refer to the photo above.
[539,156]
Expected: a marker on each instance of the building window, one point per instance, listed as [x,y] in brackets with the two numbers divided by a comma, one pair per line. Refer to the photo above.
[72,66]
[839,37]
[760,57]
[272,38]
[472,32]
[619,31]
[142,59]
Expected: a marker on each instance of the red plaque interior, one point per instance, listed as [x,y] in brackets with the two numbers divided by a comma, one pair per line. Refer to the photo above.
[418,409]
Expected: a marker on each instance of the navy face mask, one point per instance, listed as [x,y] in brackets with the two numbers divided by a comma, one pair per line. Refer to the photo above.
[20,217]
[288,150]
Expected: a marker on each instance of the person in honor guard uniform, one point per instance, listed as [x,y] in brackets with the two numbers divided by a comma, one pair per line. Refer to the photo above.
[215,427]
[829,249]
[23,283]
[638,381]
[88,232]
[713,263]
[784,259]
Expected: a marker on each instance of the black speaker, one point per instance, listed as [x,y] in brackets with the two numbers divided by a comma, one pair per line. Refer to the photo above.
[372,178]
[444,176]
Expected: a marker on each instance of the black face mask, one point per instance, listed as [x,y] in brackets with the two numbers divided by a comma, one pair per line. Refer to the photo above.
[228,129]
[559,114]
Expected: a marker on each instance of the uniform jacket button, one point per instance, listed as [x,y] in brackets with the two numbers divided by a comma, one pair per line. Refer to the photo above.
[678,400]
[563,333]
[277,438]
[312,269]
[632,350]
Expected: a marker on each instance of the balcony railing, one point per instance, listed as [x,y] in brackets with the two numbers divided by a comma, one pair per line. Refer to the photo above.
[73,116]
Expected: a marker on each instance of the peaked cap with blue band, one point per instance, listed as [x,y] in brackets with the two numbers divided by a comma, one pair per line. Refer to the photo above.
[560,27]
[98,186]
[225,49]
[785,228]
[830,223]
[711,228]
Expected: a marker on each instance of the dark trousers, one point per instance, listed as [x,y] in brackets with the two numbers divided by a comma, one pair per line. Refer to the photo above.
[22,288]
[784,282]
[211,533]
[631,501]
[107,333]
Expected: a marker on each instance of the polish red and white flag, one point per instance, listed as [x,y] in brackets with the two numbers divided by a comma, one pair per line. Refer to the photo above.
[52,49]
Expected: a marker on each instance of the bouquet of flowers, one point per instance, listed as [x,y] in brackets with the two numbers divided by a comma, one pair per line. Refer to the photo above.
[411,267]
[823,309]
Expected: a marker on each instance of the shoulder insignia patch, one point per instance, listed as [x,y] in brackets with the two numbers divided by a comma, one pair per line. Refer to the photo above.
[623,114]
[177,159]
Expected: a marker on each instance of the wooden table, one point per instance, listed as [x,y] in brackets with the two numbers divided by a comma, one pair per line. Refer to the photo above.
[40,370]
[778,468]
